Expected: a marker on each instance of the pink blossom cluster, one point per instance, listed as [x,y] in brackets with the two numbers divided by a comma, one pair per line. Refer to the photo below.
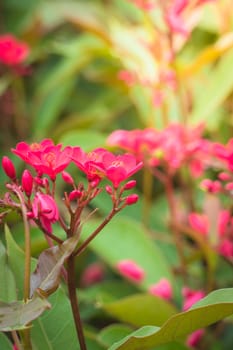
[170,148]
[12,51]
[49,160]
[201,224]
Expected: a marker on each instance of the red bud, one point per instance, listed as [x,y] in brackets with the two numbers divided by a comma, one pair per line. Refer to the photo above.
[9,168]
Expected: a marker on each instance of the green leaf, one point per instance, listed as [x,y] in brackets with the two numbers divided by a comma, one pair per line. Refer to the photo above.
[124,238]
[47,274]
[214,307]
[16,315]
[87,139]
[55,329]
[219,87]
[113,333]
[16,259]
[141,309]
[7,285]
[5,343]
[50,108]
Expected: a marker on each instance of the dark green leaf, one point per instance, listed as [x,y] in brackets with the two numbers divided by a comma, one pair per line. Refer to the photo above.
[7,281]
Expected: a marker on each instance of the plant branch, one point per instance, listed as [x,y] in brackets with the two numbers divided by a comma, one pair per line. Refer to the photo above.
[74,301]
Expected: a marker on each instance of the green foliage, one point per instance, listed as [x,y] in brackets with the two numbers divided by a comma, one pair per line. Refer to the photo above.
[217,305]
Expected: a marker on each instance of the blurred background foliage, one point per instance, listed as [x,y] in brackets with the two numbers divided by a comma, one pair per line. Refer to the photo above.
[72,91]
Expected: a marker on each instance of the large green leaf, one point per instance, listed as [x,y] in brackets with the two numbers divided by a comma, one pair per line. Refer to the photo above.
[16,259]
[124,238]
[141,309]
[7,281]
[214,307]
[55,329]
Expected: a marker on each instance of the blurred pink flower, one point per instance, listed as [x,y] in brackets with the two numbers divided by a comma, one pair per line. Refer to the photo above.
[12,51]
[199,223]
[131,270]
[161,289]
[93,274]
[191,297]
[195,337]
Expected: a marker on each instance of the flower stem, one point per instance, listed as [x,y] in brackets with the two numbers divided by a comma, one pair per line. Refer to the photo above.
[83,246]
[27,264]
[74,301]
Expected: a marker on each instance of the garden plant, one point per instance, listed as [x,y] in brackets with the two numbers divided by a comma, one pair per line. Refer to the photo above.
[116,175]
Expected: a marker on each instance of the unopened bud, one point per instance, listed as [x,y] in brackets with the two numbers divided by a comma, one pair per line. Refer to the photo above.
[67,178]
[131,199]
[130,184]
[9,168]
[74,195]
[27,182]
[108,189]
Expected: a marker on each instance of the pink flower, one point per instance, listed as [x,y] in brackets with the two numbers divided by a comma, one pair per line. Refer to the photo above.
[195,337]
[9,168]
[131,270]
[211,186]
[199,223]
[225,248]
[131,199]
[100,163]
[191,297]
[45,157]
[120,168]
[223,221]
[93,274]
[45,209]
[162,289]
[12,51]
[90,163]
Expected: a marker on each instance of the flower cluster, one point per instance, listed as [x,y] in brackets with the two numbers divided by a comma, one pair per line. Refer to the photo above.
[12,51]
[223,243]
[170,148]
[37,189]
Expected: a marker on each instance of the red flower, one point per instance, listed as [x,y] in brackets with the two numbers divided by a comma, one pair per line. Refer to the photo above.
[90,163]
[12,51]
[119,168]
[45,209]
[101,163]
[45,157]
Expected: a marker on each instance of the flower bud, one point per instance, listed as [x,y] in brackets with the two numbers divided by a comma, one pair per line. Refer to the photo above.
[74,195]
[131,270]
[27,182]
[131,199]
[67,178]
[9,168]
[130,184]
[108,189]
